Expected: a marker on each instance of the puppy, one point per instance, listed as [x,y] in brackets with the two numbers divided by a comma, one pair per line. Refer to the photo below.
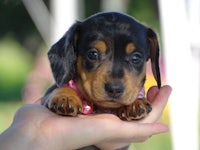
[99,66]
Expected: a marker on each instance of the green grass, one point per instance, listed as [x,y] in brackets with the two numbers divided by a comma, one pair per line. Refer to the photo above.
[15,63]
[157,142]
[7,111]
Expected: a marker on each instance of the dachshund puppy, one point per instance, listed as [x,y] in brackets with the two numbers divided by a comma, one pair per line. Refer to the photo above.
[99,66]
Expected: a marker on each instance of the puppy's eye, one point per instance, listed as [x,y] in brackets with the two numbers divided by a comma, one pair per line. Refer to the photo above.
[137,59]
[93,54]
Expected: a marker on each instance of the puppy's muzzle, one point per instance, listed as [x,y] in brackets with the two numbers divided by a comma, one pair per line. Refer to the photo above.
[114,89]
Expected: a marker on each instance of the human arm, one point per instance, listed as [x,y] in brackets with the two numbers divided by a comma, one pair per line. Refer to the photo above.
[35,127]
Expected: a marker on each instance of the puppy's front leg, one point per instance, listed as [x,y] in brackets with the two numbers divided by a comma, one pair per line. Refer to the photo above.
[137,110]
[63,101]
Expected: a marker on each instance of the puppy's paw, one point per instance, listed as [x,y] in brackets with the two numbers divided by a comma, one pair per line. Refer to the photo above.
[64,101]
[138,110]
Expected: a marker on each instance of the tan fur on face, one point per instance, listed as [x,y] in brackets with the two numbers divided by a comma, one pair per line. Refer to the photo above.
[92,83]
[130,47]
[100,46]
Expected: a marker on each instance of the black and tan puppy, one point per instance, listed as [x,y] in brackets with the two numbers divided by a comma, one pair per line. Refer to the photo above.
[105,56]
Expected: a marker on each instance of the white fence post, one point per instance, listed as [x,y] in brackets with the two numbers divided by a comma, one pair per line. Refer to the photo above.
[182,74]
[64,14]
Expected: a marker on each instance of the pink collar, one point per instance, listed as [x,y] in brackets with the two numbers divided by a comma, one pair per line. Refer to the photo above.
[87,107]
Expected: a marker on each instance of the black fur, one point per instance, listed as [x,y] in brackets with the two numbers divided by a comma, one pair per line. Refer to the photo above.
[62,57]
[154,55]
[105,26]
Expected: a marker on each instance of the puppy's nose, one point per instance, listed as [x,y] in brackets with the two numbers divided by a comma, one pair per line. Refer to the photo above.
[114,89]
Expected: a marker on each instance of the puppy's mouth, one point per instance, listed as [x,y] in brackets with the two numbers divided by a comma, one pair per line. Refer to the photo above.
[97,107]
[110,107]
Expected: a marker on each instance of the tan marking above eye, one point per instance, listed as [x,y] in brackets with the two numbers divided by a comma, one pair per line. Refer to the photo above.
[100,46]
[130,47]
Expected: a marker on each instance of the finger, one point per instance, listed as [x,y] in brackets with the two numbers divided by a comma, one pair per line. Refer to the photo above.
[152,92]
[129,131]
[136,131]
[158,104]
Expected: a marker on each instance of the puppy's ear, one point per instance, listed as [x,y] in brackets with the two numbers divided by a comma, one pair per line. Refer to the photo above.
[154,55]
[62,57]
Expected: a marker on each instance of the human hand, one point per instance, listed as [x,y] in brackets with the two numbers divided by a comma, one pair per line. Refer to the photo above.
[140,131]
[38,128]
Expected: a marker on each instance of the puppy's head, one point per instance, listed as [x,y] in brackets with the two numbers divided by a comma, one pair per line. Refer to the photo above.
[106,55]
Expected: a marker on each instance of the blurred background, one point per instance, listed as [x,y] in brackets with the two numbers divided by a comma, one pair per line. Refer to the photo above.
[28,28]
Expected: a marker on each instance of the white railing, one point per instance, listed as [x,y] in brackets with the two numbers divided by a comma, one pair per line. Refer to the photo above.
[180,28]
